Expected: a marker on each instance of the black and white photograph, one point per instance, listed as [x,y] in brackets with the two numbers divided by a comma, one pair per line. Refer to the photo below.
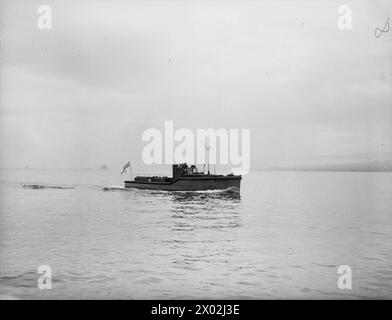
[195,150]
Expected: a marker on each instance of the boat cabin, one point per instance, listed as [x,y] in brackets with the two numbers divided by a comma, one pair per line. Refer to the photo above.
[182,169]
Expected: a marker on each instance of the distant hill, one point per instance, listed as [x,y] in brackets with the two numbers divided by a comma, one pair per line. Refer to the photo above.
[372,166]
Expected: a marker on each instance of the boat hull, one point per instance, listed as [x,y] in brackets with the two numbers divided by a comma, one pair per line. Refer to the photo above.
[190,184]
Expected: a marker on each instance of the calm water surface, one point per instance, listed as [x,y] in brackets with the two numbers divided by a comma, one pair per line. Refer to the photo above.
[283,237]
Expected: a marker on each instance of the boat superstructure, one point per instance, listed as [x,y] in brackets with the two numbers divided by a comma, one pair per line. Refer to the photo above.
[186,178]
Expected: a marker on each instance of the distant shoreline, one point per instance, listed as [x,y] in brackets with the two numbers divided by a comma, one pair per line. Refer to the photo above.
[318,170]
[371,166]
[374,166]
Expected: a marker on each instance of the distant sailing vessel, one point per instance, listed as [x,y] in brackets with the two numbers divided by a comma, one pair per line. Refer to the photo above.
[185,178]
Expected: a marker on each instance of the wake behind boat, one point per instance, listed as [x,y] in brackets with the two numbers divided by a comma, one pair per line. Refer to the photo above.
[186,178]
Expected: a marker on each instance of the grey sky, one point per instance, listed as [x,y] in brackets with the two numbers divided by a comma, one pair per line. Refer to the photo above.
[81,94]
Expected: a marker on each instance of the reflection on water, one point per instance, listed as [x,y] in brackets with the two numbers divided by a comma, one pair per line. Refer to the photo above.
[201,227]
[211,210]
[202,196]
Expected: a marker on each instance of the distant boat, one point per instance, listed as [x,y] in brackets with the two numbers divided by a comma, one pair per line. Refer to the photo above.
[186,178]
[104,167]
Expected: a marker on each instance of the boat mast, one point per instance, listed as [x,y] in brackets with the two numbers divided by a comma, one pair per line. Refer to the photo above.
[207,146]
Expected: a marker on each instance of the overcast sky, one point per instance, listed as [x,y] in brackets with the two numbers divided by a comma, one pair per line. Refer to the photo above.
[82,94]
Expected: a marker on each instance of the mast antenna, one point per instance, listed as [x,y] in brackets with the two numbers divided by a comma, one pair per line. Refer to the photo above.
[207,147]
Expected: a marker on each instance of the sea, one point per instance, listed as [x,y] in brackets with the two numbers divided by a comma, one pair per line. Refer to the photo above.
[287,235]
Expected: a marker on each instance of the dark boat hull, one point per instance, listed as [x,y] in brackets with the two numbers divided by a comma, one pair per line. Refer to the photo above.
[190,184]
